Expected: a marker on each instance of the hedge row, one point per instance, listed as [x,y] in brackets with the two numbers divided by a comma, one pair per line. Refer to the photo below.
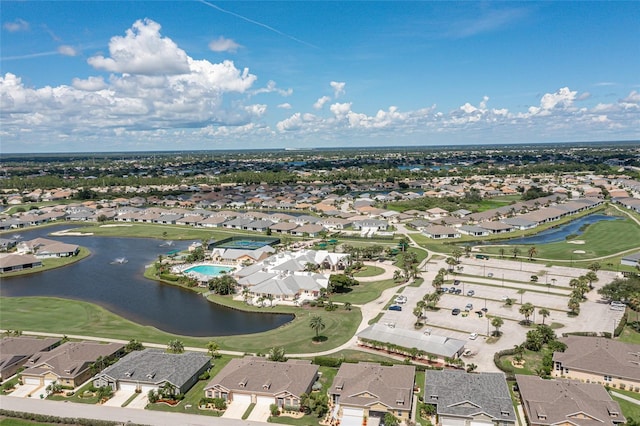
[45,418]
[508,370]
[621,324]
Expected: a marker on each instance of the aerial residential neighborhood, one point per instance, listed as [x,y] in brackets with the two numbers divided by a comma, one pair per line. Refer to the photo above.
[361,305]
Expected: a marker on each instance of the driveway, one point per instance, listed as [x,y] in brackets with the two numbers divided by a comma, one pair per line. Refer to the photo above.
[261,411]
[23,390]
[236,409]
[140,402]
[119,398]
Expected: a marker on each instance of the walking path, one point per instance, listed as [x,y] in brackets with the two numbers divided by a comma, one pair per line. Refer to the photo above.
[625,397]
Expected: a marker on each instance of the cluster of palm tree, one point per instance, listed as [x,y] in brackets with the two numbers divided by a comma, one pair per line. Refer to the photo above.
[175,347]
[581,286]
[367,252]
[438,281]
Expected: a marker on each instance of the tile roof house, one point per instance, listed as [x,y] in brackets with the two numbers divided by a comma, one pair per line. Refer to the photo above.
[567,402]
[438,232]
[371,390]
[469,399]
[15,351]
[152,369]
[256,380]
[598,360]
[69,364]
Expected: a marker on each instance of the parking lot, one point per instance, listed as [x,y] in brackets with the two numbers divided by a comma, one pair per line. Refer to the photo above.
[489,294]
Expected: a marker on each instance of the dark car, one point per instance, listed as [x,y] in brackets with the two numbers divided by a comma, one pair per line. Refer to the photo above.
[458,291]
[452,290]
[455,311]
[395,308]
[456,282]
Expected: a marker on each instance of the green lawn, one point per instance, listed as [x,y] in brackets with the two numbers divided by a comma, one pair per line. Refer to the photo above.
[63,316]
[629,409]
[364,292]
[20,422]
[77,397]
[629,335]
[369,271]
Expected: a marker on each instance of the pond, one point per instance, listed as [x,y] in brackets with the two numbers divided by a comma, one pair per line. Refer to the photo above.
[112,277]
[561,232]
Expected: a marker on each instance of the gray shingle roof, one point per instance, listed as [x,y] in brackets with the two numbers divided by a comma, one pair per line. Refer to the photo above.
[154,366]
[462,394]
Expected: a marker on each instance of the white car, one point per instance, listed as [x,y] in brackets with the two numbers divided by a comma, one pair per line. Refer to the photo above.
[473,336]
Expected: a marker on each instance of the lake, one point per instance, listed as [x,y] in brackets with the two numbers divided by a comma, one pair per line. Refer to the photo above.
[560,233]
[112,277]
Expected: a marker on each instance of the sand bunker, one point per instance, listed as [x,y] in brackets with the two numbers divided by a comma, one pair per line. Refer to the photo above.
[576,242]
[579,252]
[112,225]
[69,233]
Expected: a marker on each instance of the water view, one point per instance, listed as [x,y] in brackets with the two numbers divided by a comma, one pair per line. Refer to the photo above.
[560,233]
[210,270]
[112,277]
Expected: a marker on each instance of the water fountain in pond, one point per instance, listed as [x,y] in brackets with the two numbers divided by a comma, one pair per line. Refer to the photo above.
[119,261]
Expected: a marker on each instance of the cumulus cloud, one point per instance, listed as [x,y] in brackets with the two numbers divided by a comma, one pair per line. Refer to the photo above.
[321,101]
[222,44]
[67,50]
[285,105]
[633,97]
[143,51]
[91,84]
[338,88]
[17,25]
[272,88]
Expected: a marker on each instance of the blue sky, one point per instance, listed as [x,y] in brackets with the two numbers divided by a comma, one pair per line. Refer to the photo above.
[82,76]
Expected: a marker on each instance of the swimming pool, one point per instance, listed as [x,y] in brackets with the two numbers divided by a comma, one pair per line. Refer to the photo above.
[210,270]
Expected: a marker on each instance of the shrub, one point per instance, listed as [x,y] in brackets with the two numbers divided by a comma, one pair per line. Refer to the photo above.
[325,361]
[274,410]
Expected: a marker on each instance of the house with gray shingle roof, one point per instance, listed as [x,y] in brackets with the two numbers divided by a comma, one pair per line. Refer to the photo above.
[152,369]
[598,360]
[256,380]
[569,402]
[469,399]
[372,390]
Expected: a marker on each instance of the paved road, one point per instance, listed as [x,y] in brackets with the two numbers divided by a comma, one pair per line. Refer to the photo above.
[116,414]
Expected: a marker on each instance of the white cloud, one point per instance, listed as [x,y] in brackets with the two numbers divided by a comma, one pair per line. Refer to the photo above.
[91,84]
[17,25]
[143,51]
[67,50]
[321,101]
[338,88]
[633,97]
[222,44]
[272,88]
[285,105]
[563,97]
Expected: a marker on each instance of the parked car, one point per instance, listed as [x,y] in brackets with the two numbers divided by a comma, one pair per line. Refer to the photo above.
[443,290]
[458,291]
[455,311]
[395,308]
[452,290]
[456,282]
[473,336]
[469,307]
[471,293]
[617,306]
[480,314]
[490,274]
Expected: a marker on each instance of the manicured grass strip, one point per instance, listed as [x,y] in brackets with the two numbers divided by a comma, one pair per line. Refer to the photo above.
[55,315]
[20,422]
[131,398]
[248,411]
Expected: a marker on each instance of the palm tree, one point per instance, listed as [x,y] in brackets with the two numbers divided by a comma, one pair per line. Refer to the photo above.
[595,267]
[451,262]
[501,250]
[403,243]
[317,324]
[527,309]
[347,306]
[277,354]
[397,275]
[574,305]
[467,250]
[457,253]
[417,312]
[175,347]
[532,252]
[592,277]
[544,313]
[497,322]
[515,251]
